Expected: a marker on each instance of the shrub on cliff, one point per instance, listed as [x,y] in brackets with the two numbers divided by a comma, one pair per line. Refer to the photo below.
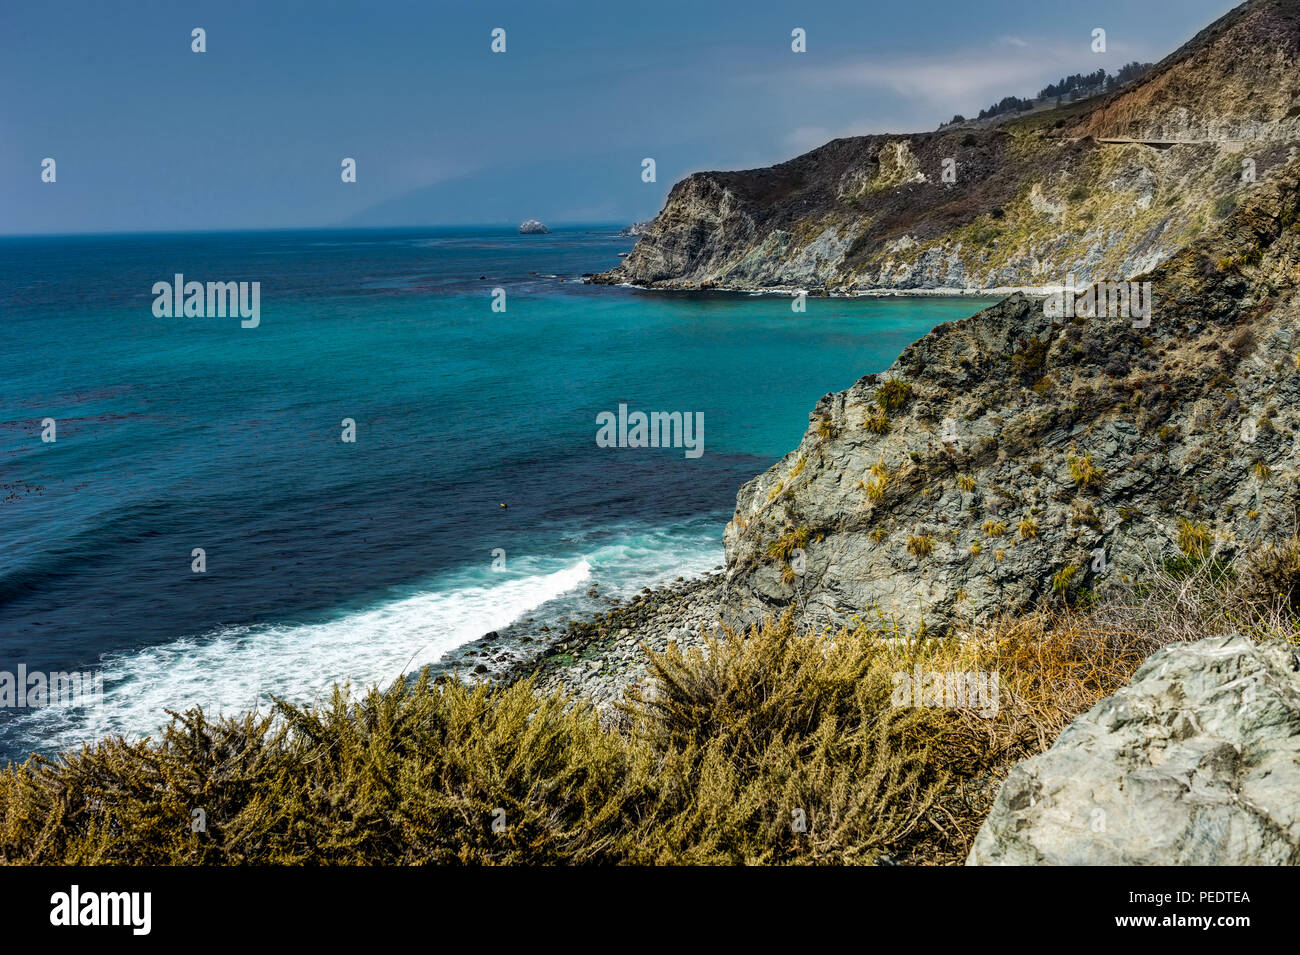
[893,394]
[415,774]
[778,747]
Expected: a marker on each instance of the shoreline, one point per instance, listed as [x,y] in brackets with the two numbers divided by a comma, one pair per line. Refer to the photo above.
[998,292]
[598,656]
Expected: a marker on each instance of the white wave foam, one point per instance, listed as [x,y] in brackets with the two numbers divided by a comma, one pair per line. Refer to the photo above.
[231,670]
[237,669]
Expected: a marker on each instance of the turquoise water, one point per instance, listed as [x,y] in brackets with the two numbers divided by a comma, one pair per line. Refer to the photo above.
[328,560]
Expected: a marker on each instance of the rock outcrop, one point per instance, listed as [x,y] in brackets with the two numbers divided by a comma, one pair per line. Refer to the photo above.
[1017,456]
[1195,762]
[1103,188]
[533,227]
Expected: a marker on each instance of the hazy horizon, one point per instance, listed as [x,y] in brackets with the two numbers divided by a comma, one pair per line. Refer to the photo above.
[253,230]
[151,137]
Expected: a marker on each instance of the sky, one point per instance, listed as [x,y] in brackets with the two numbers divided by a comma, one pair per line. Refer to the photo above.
[148,135]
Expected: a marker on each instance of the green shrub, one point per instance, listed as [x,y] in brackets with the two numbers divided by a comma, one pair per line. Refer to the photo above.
[410,775]
[708,764]
[751,729]
[1061,580]
[893,394]
[877,421]
[784,546]
[879,483]
[1194,538]
[1082,471]
[920,545]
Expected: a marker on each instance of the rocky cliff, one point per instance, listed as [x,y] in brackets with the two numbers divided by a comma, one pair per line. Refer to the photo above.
[1101,189]
[1021,455]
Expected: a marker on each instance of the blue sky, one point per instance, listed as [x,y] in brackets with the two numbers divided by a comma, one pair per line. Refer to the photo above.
[149,136]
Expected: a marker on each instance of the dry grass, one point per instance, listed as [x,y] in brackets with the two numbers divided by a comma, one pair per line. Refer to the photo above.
[877,421]
[1082,471]
[920,545]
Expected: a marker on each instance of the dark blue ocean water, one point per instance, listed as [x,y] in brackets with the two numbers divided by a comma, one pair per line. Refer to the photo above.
[328,560]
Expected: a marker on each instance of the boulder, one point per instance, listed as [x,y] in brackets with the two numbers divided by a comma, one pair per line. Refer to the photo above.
[1195,762]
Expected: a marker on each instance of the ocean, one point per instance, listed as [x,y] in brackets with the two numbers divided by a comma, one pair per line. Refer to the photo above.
[198,531]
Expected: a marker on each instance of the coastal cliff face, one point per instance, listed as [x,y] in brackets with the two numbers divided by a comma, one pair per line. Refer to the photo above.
[1016,456]
[1033,451]
[1031,201]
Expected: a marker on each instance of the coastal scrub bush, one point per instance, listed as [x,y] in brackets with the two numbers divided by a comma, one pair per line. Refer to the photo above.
[877,421]
[1194,538]
[879,483]
[754,726]
[893,394]
[1084,514]
[710,767]
[785,545]
[1061,579]
[1190,598]
[920,545]
[1082,471]
[413,774]
[1029,362]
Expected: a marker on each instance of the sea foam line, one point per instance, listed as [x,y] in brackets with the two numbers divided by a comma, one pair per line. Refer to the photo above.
[232,670]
